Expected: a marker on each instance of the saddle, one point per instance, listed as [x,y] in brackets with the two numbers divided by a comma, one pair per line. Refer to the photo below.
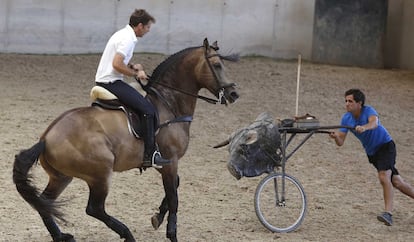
[105,99]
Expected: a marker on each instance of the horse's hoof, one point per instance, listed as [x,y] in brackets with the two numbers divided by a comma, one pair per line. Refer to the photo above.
[65,238]
[172,237]
[154,221]
[68,238]
[130,240]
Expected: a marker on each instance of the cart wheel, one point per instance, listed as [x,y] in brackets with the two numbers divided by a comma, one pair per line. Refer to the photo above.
[277,211]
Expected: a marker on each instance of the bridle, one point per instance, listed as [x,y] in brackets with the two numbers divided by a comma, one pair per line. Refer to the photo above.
[219,100]
[221,87]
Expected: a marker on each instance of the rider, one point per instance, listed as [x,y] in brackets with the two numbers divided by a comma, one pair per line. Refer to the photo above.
[115,64]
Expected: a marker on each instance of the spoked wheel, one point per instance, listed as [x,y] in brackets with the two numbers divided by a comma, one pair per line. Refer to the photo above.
[280,210]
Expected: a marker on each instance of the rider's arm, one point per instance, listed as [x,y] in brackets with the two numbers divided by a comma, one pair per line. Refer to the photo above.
[339,137]
[119,65]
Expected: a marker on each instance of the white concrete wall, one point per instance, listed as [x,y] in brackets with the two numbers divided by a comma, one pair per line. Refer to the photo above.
[276,28]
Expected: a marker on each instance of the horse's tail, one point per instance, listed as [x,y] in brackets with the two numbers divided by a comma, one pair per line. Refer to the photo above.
[21,177]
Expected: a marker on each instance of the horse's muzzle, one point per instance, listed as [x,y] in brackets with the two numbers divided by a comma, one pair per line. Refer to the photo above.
[230,94]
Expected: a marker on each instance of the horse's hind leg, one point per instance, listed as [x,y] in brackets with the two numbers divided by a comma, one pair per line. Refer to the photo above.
[96,209]
[57,183]
[56,186]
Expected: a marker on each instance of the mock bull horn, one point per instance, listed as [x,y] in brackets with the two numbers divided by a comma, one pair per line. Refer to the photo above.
[223,143]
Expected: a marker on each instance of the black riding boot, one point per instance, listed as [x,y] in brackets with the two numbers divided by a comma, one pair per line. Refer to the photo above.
[152,157]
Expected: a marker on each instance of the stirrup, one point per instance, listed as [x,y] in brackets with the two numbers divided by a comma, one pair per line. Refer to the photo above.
[156,155]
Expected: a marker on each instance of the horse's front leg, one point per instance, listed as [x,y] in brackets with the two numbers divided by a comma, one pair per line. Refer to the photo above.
[170,181]
[158,218]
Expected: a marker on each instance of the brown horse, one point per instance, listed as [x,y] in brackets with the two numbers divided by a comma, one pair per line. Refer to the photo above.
[91,143]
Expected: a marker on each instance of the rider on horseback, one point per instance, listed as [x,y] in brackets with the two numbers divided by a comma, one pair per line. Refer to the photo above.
[115,63]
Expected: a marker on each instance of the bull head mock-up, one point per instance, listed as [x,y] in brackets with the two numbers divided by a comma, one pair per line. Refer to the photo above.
[255,149]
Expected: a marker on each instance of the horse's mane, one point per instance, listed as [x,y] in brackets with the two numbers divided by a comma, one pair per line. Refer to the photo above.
[163,66]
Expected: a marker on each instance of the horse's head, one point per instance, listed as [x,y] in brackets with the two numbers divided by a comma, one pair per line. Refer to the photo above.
[192,69]
[213,76]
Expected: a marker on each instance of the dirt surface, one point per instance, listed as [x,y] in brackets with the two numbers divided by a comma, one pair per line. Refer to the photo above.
[344,195]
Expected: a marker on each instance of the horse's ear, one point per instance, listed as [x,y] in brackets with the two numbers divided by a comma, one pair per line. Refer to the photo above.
[215,46]
[206,44]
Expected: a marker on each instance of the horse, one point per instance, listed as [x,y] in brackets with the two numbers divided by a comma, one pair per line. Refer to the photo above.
[91,143]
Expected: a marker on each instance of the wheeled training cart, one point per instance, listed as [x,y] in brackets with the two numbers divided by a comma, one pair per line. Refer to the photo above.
[280,201]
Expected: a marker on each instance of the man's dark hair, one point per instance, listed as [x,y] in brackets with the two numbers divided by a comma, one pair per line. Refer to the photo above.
[359,96]
[140,16]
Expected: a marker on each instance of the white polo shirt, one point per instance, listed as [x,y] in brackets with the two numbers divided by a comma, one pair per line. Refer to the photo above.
[122,42]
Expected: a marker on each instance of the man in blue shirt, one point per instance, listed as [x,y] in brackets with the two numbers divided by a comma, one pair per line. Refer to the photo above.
[378,145]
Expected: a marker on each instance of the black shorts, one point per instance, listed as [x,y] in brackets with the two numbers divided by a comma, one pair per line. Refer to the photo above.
[384,158]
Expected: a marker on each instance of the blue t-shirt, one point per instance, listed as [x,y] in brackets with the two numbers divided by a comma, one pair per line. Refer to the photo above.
[371,139]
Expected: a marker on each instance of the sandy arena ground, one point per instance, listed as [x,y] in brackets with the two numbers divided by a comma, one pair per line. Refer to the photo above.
[344,195]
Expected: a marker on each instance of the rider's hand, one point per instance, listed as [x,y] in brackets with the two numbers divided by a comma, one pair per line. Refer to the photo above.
[136,67]
[142,76]
[139,72]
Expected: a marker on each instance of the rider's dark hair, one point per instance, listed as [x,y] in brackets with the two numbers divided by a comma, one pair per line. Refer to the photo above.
[359,96]
[140,16]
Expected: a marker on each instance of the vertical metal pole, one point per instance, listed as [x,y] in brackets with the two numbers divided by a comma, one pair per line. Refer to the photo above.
[283,165]
[297,86]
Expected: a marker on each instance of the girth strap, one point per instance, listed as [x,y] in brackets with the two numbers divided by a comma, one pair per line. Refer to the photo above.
[181,119]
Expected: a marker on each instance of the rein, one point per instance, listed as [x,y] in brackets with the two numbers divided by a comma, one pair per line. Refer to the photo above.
[207,99]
